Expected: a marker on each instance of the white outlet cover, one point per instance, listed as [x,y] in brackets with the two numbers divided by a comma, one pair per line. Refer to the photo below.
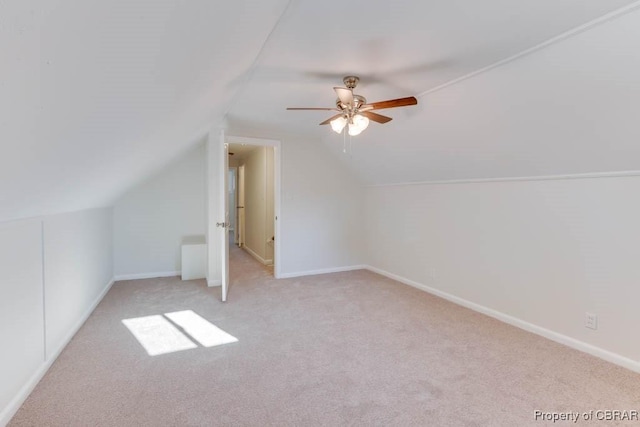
[591,321]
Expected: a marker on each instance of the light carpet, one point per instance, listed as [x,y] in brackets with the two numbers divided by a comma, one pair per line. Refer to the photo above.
[343,349]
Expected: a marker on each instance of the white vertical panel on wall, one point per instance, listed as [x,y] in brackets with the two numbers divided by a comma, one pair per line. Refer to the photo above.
[53,272]
[78,267]
[21,306]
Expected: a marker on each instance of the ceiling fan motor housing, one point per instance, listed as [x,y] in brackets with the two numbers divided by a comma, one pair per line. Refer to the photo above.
[358,101]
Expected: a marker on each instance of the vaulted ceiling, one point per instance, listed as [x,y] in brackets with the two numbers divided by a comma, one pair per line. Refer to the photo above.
[97,94]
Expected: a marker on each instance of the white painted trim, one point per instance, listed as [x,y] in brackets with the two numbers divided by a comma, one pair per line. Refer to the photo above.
[138,276]
[255,255]
[567,34]
[53,213]
[44,292]
[230,139]
[529,327]
[212,283]
[323,271]
[13,406]
[621,174]
[277,192]
[223,213]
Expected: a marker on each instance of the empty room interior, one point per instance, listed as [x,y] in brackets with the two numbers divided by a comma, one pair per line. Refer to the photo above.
[299,213]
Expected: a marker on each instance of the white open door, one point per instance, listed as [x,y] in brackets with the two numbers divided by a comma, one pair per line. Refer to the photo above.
[218,214]
[224,203]
[218,206]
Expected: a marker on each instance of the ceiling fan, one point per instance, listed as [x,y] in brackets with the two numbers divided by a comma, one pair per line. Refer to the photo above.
[353,110]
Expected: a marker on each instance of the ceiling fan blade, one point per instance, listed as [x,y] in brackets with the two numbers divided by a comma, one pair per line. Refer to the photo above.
[326,122]
[391,103]
[313,109]
[345,95]
[379,118]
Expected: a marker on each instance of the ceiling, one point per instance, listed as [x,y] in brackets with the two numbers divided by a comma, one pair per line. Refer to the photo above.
[241,151]
[398,49]
[96,94]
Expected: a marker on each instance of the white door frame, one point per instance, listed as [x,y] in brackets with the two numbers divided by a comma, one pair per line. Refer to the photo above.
[214,257]
[224,247]
[240,202]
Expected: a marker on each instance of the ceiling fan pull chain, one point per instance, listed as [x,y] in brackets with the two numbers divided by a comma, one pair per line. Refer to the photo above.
[344,140]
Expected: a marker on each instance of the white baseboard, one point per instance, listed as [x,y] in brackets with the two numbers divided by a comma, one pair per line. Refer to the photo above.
[529,327]
[255,255]
[13,406]
[322,271]
[138,276]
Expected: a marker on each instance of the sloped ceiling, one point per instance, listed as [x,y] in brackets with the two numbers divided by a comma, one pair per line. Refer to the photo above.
[496,124]
[95,95]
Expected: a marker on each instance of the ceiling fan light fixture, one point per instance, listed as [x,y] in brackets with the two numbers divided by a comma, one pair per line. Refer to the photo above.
[354,110]
[338,124]
[358,124]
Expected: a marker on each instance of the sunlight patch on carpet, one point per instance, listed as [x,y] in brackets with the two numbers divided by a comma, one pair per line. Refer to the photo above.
[157,335]
[201,330]
[177,331]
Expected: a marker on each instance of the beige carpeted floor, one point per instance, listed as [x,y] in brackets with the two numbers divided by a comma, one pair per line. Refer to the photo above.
[340,349]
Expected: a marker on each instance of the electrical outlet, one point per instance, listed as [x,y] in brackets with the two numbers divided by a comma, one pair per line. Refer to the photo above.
[591,321]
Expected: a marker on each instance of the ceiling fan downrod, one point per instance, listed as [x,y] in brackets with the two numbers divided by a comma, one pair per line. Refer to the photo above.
[351,81]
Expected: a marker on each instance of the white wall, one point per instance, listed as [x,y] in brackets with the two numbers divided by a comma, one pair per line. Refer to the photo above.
[78,263]
[152,219]
[322,226]
[53,272]
[21,309]
[544,252]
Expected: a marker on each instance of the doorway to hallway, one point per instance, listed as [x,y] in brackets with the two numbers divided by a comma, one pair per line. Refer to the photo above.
[251,192]
[218,221]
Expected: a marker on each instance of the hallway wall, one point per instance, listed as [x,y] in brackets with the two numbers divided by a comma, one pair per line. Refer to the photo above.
[259,203]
